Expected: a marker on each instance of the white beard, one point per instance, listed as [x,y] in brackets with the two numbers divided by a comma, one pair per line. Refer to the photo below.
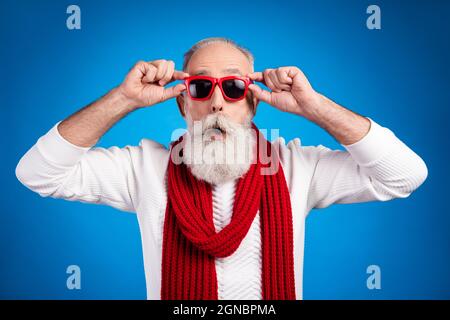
[217,161]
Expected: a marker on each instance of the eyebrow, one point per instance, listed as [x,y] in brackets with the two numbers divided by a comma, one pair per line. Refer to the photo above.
[227,71]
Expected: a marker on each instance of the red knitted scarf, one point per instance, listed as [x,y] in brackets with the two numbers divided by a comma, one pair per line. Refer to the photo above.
[190,241]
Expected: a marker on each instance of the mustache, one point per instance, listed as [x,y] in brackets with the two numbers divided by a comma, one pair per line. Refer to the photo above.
[222,123]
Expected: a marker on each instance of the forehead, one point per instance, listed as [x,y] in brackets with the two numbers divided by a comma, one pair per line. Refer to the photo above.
[218,58]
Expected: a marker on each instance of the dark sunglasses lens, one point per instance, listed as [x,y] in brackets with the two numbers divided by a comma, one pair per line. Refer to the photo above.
[234,88]
[200,88]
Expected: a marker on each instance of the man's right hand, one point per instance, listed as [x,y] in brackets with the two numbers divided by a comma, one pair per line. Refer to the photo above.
[144,84]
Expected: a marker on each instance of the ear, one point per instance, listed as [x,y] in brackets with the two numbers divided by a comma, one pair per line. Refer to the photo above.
[180,103]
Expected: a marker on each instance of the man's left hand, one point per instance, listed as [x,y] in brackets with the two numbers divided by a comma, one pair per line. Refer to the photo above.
[291,90]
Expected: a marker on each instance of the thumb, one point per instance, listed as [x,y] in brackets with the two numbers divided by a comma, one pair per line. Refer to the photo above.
[260,94]
[174,91]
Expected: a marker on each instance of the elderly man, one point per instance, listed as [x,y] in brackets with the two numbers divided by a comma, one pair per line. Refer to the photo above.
[211,227]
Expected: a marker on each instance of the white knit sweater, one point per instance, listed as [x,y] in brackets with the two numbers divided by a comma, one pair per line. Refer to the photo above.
[378,167]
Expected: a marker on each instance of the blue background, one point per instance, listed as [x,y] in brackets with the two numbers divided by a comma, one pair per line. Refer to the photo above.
[399,76]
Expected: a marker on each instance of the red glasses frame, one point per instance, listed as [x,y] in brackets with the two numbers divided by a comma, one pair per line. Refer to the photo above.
[218,81]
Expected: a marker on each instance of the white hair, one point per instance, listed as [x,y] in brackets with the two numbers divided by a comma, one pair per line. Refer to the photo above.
[218,161]
[203,43]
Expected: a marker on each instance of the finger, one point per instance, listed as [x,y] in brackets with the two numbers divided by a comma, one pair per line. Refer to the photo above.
[283,87]
[168,75]
[162,67]
[260,94]
[173,91]
[296,73]
[149,72]
[282,74]
[256,76]
[293,71]
[178,75]
[138,71]
[273,77]
[268,80]
[284,79]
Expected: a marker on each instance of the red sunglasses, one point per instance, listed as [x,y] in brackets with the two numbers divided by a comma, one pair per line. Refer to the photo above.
[233,88]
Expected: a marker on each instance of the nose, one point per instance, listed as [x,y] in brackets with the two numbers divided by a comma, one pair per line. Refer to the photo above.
[217,100]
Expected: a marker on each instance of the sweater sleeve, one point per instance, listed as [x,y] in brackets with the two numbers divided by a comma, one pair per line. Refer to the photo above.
[56,168]
[379,167]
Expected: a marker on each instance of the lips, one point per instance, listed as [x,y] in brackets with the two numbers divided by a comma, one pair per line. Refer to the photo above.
[220,129]
[218,133]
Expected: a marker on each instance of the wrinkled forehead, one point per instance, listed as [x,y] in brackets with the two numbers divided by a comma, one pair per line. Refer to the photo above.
[217,60]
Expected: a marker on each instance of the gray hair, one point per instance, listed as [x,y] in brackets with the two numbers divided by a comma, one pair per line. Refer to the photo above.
[203,43]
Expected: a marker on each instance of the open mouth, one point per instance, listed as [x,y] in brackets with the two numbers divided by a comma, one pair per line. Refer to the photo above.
[216,133]
[219,128]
